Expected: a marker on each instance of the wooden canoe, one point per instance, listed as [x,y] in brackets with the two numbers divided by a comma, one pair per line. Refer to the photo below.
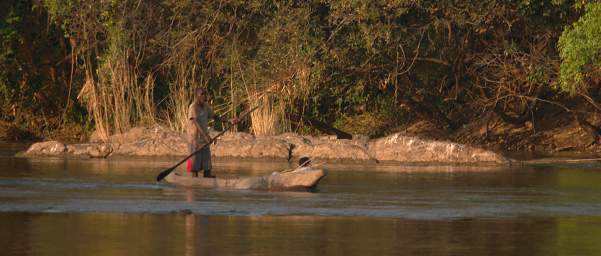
[301,179]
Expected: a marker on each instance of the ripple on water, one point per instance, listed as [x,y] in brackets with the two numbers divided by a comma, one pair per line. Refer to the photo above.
[413,193]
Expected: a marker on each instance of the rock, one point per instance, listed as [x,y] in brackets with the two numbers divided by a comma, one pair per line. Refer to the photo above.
[153,141]
[326,147]
[159,141]
[299,145]
[81,149]
[361,138]
[248,146]
[95,137]
[402,148]
[339,149]
[100,151]
[93,150]
[47,148]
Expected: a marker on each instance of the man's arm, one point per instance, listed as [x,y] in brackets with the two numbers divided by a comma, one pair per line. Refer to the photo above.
[192,118]
[201,131]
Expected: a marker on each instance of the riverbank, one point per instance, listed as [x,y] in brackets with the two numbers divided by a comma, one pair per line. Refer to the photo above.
[159,141]
[482,141]
[559,136]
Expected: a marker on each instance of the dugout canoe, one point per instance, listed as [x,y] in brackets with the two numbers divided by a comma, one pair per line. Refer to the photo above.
[299,180]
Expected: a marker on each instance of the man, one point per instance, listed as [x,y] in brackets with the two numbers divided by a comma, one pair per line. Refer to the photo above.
[199,113]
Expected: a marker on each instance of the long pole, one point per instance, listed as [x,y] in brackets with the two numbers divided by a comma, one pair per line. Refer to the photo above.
[166,172]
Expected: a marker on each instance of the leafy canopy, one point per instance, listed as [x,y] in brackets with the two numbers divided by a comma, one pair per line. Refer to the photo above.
[580,48]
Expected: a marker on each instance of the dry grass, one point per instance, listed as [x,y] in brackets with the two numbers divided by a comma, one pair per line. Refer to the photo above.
[274,98]
[94,102]
[118,100]
[269,118]
[119,97]
[181,93]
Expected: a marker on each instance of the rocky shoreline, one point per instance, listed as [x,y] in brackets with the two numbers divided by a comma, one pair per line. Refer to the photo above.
[159,141]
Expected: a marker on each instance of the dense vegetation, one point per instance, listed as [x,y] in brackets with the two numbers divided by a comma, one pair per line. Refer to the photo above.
[362,66]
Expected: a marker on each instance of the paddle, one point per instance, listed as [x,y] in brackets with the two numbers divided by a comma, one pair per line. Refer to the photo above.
[164,173]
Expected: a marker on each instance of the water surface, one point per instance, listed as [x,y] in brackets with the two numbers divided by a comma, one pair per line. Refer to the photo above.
[54,206]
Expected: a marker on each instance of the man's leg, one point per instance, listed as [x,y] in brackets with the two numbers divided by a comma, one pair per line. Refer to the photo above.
[206,163]
[207,174]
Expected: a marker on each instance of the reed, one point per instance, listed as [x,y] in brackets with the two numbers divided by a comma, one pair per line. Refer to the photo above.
[268,119]
[119,99]
[181,89]
[187,51]
[275,98]
[147,109]
[179,100]
[94,102]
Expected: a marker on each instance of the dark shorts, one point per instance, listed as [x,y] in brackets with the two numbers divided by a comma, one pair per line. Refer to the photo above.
[201,160]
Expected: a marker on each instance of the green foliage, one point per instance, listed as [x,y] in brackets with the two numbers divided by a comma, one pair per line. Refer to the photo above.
[382,117]
[580,50]
[58,9]
[10,40]
[360,65]
[33,70]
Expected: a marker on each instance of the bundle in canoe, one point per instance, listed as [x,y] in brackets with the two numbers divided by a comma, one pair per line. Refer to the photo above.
[299,179]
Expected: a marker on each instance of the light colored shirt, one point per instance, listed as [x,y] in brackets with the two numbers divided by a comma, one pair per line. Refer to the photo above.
[199,114]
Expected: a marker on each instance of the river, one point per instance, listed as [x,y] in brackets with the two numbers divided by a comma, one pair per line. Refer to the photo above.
[56,206]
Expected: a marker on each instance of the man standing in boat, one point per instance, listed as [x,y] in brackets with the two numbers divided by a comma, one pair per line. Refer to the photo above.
[199,113]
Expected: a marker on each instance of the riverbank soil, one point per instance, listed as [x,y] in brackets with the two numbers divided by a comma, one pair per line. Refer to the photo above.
[558,132]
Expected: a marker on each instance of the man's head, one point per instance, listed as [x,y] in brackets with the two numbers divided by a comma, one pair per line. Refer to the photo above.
[200,95]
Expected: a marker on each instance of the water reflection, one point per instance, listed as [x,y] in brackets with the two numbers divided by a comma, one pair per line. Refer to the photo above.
[148,234]
[190,224]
